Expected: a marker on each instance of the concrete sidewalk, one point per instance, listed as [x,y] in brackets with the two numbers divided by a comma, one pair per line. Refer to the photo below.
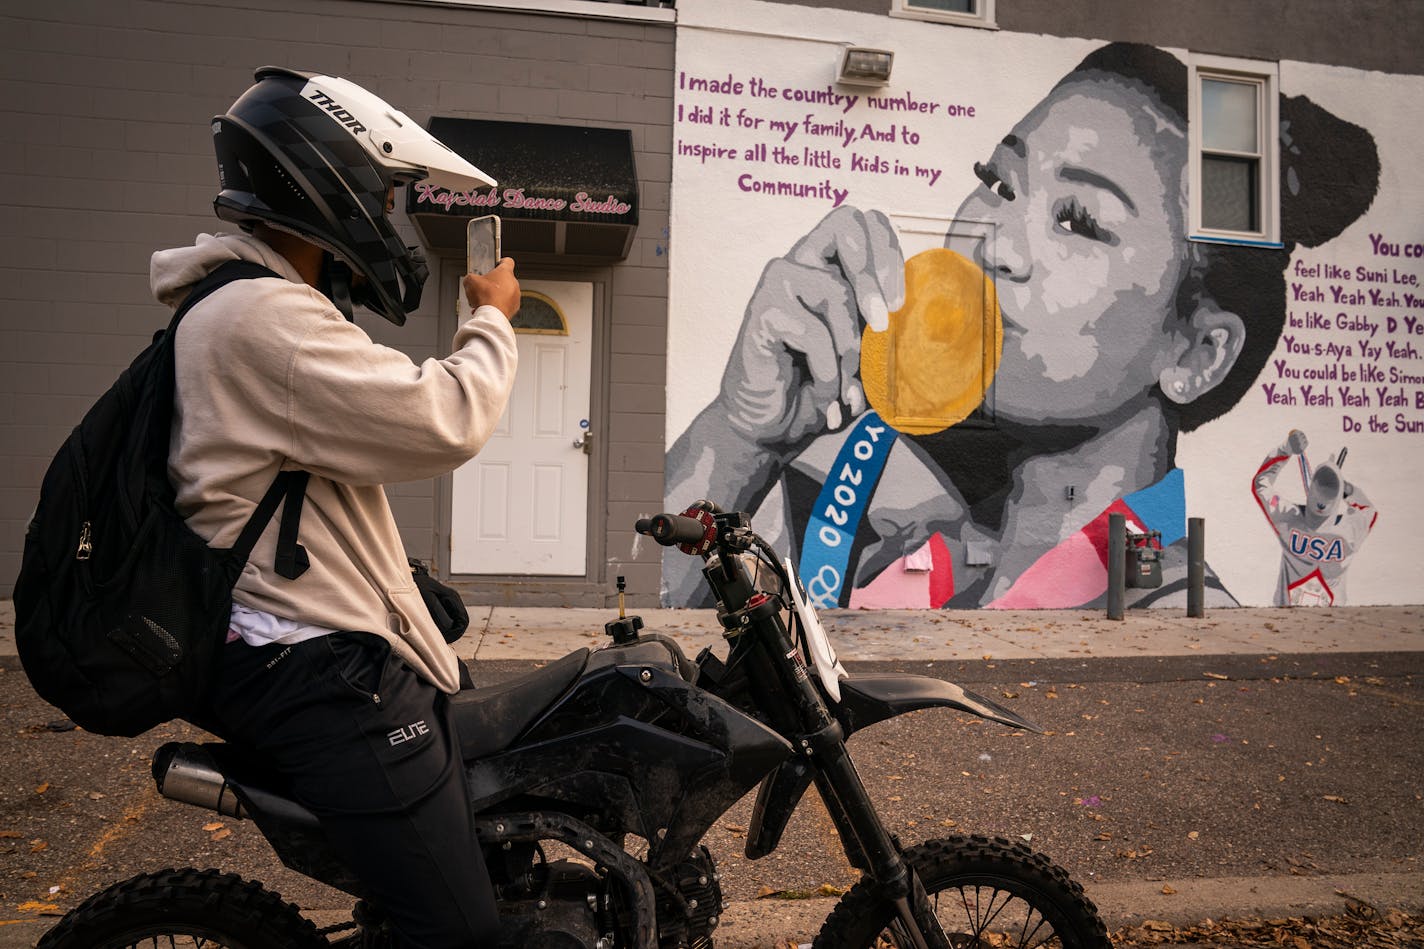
[877,635]
[540,633]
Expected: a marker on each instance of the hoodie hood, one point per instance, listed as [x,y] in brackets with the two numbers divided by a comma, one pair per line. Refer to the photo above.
[172,272]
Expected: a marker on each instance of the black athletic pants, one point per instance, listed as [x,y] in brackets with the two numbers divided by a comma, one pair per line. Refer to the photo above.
[370,749]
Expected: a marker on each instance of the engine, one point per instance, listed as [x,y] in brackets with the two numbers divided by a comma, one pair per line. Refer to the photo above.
[686,919]
[555,906]
[566,905]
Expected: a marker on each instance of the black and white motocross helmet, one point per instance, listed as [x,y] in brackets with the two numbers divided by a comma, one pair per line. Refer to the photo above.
[317,155]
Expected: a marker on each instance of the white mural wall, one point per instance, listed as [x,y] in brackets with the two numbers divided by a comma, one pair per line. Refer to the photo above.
[816,379]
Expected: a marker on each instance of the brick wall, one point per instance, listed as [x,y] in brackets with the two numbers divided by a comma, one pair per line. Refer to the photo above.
[108,157]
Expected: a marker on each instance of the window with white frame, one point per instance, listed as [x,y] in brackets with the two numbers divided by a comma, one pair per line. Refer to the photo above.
[963,12]
[1235,155]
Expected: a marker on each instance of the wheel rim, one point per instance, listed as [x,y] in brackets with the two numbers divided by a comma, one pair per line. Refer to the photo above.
[984,915]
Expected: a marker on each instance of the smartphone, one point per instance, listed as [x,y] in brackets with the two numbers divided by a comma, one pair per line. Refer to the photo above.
[482,244]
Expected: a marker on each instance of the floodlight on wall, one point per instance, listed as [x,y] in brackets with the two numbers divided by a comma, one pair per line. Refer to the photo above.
[863,66]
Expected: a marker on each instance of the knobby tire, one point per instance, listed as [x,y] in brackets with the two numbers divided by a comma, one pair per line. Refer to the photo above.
[984,888]
[198,908]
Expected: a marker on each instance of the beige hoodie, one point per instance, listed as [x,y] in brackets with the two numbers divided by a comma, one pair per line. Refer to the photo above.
[270,376]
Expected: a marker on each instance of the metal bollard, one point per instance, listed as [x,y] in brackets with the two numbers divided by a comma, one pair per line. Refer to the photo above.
[1117,564]
[1196,566]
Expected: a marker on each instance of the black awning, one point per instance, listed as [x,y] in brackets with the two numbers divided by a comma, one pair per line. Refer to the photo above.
[566,193]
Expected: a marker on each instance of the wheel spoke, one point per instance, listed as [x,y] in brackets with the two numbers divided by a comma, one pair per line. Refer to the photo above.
[1030,935]
[968,912]
[995,910]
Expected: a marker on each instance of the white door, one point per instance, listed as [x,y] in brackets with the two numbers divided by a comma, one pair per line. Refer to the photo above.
[521,505]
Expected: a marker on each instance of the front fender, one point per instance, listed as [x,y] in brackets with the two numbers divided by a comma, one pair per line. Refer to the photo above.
[865,700]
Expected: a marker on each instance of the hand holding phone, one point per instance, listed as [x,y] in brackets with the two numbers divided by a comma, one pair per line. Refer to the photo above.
[486,282]
[482,244]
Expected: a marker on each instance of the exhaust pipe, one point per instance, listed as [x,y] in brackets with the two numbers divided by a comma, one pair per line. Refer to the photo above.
[186,772]
[191,773]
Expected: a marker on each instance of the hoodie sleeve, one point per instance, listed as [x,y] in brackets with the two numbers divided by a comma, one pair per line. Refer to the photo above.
[363,413]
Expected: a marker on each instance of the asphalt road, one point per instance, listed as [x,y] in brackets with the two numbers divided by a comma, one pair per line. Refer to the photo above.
[1189,787]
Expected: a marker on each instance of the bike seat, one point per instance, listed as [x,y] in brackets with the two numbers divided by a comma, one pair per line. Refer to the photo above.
[488,719]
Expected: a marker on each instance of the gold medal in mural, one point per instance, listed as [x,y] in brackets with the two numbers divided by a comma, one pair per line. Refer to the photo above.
[932,366]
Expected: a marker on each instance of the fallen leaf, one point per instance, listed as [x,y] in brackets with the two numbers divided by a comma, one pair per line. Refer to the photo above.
[1157,925]
[1215,675]
[37,845]
[1336,799]
[1167,890]
[1103,836]
[34,906]
[215,825]
[223,834]
[10,833]
[1193,835]
[42,788]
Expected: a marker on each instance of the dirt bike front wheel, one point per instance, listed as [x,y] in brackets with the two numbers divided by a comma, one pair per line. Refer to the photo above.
[985,892]
[184,908]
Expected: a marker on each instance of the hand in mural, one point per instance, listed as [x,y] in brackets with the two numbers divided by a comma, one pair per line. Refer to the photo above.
[794,371]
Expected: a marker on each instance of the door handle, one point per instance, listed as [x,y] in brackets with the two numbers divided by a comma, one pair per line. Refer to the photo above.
[585,441]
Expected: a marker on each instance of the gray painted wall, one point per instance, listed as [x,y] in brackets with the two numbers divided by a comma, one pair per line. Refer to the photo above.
[1366,34]
[105,105]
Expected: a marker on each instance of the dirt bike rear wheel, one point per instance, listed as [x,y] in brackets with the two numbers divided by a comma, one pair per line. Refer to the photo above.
[985,892]
[184,908]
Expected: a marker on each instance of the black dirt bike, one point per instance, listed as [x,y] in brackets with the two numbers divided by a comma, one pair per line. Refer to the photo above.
[622,758]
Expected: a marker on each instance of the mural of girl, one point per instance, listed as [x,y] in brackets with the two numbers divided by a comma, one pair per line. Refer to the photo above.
[1118,333]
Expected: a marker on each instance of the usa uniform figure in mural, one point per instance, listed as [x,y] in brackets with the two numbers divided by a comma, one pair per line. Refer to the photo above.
[1117,334]
[1318,537]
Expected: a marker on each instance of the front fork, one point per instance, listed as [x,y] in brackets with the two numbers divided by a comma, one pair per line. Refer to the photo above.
[777,674]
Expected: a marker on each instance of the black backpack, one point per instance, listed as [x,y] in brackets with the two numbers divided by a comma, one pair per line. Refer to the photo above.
[121,610]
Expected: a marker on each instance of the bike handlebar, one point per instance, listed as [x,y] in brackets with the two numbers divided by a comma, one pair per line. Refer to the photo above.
[672,529]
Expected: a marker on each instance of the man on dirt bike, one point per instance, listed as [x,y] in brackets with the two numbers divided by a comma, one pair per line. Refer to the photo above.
[334,670]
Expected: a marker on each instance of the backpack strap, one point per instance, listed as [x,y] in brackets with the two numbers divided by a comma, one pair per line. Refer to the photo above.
[291,487]
[288,486]
[221,276]
[292,560]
